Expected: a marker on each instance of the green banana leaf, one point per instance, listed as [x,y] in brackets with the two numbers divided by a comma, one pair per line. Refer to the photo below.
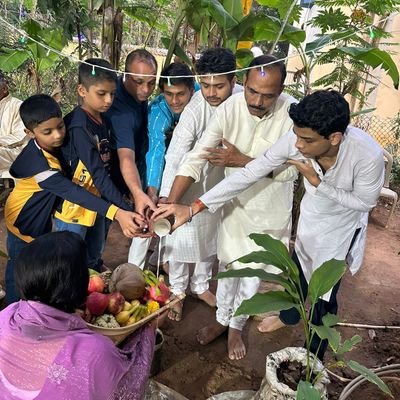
[374,57]
[11,60]
[234,9]
[220,15]
[177,51]
[283,6]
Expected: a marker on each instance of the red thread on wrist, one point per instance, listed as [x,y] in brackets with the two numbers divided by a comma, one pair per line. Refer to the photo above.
[201,206]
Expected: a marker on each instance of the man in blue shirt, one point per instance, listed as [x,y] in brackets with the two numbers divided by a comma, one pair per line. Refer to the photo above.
[128,116]
[164,113]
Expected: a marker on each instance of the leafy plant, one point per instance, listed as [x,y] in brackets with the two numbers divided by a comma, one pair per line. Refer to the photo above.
[355,51]
[31,55]
[322,281]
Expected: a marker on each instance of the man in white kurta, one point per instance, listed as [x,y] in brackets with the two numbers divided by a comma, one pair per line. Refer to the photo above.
[247,124]
[344,172]
[12,134]
[196,243]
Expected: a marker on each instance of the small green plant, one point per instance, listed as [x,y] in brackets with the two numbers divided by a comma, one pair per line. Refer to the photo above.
[322,281]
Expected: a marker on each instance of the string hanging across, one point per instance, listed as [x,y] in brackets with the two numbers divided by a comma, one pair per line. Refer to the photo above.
[25,37]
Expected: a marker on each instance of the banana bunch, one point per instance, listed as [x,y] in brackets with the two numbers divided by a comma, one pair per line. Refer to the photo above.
[131,313]
[150,278]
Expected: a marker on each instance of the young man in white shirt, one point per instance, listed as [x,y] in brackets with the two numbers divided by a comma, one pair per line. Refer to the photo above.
[196,243]
[343,169]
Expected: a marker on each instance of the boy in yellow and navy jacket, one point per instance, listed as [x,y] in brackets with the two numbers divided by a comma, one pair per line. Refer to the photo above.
[87,153]
[42,184]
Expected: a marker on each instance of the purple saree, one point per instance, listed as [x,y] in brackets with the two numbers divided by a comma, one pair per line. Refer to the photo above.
[49,354]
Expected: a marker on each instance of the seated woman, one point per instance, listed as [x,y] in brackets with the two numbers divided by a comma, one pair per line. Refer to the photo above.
[46,350]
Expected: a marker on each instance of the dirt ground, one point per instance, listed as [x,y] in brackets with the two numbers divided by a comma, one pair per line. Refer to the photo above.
[370,297]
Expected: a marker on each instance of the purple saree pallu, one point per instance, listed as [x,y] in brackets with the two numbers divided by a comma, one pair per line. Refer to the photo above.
[47,354]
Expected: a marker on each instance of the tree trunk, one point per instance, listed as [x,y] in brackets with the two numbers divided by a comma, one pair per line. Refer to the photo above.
[107,35]
[90,33]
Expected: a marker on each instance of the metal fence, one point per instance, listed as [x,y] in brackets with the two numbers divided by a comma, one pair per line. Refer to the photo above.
[386,131]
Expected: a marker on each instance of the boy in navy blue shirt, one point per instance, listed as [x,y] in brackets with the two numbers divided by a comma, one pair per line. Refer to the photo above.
[87,153]
[42,184]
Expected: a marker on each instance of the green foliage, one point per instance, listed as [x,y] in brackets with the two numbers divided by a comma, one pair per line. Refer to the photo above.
[353,52]
[30,55]
[306,391]
[375,58]
[322,281]
[369,375]
[153,14]
[283,6]
[177,50]
[262,303]
[331,19]
[325,278]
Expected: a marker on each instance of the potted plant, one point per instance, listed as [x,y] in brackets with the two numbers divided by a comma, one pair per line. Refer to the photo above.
[313,382]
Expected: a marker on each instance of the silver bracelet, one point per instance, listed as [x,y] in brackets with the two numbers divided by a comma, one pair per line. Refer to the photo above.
[190,214]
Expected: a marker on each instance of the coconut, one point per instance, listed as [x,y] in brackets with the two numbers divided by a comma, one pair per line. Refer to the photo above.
[128,279]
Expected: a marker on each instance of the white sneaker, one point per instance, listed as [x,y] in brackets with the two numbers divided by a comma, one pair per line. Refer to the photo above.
[2,293]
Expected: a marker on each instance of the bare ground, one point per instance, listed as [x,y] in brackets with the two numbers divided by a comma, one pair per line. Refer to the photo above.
[370,297]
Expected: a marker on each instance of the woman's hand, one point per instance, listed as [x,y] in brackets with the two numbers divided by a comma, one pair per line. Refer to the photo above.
[179,211]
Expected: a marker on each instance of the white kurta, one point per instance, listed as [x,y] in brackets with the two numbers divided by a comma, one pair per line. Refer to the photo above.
[195,241]
[266,206]
[12,134]
[331,212]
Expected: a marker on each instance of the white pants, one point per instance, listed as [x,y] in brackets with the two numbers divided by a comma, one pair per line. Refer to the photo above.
[179,276]
[138,251]
[230,294]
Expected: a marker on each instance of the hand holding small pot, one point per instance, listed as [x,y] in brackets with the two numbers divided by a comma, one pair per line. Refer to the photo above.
[180,213]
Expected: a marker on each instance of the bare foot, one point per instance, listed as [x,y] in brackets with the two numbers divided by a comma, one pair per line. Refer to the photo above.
[236,347]
[210,332]
[175,312]
[270,324]
[208,298]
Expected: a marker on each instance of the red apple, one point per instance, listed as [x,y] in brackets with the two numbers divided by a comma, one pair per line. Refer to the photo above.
[116,303]
[96,284]
[96,303]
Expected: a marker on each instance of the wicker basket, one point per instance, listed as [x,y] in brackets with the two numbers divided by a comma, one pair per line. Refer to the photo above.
[117,335]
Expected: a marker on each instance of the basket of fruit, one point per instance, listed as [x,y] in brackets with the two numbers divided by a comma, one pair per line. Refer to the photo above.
[121,301]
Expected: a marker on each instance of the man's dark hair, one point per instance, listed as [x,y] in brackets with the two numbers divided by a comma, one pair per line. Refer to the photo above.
[268,59]
[324,111]
[216,61]
[37,109]
[141,55]
[53,270]
[87,78]
[177,69]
